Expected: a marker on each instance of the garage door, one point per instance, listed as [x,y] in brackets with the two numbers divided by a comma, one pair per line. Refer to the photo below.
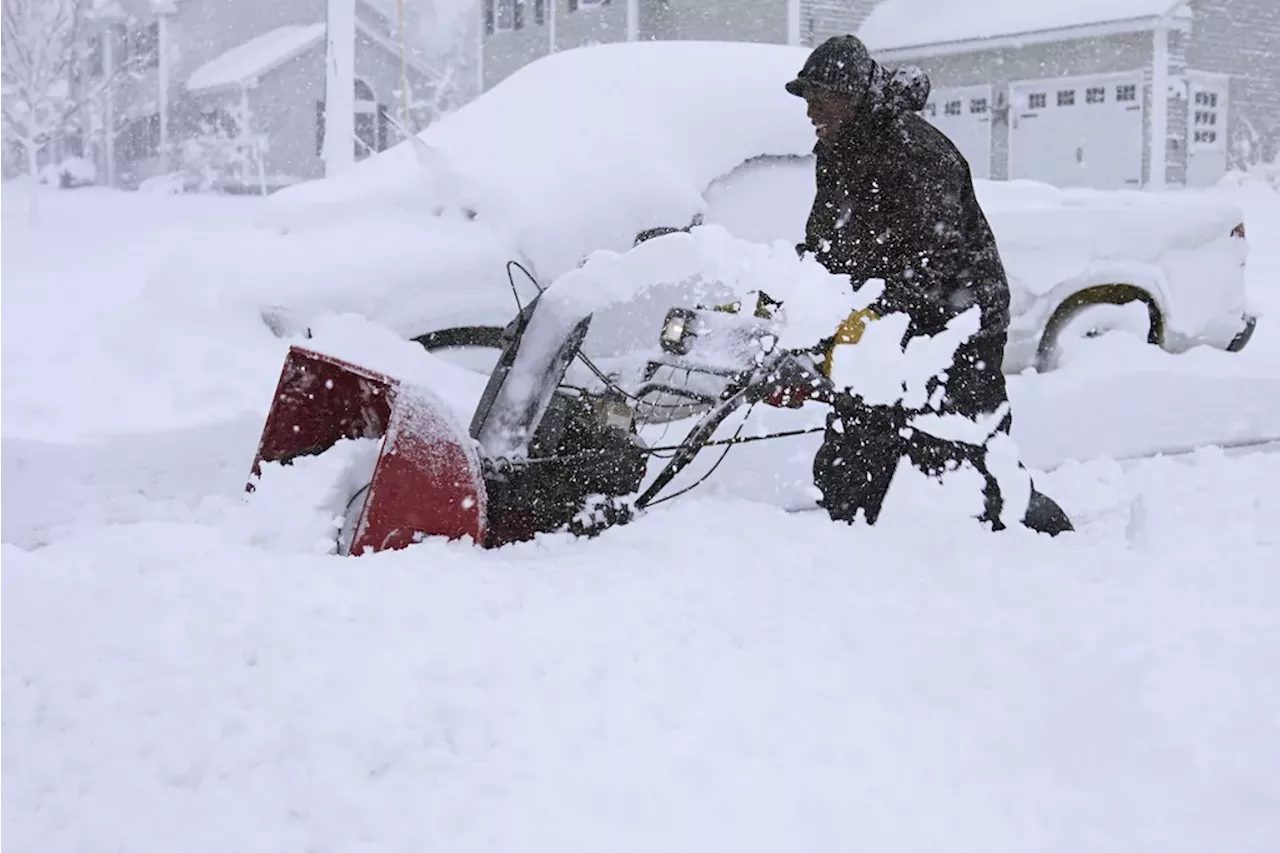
[964,115]
[1078,133]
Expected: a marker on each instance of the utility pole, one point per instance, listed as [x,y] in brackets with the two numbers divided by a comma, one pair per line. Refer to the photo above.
[339,87]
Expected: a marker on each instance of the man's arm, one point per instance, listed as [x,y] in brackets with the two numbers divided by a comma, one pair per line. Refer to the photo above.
[928,249]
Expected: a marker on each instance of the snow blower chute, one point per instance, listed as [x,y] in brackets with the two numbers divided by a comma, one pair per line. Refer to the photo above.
[427,479]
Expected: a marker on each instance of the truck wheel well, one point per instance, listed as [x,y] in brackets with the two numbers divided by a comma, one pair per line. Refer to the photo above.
[1098,294]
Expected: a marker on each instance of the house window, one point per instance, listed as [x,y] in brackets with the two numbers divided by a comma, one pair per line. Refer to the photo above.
[506,17]
[119,44]
[1037,100]
[1205,118]
[94,65]
[140,138]
[978,106]
[503,15]
[370,123]
[1127,92]
[366,121]
[1095,95]
[1067,98]
[1207,99]
[575,5]
[539,11]
[146,46]
[931,109]
[219,122]
[954,108]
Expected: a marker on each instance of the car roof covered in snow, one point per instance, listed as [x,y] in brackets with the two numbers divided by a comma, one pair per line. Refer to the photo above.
[585,148]
[895,24]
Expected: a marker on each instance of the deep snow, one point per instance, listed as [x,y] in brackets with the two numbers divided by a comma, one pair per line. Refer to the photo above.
[723,676]
[186,670]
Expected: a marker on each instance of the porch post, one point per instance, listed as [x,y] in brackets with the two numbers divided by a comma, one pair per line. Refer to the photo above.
[162,77]
[793,22]
[339,87]
[633,20]
[552,9]
[1159,108]
[482,37]
[109,103]
[246,132]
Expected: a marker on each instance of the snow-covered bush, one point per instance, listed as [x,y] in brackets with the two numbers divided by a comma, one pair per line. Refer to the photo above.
[170,183]
[221,150]
[70,173]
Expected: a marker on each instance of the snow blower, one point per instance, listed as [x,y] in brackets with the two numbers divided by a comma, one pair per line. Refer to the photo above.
[541,453]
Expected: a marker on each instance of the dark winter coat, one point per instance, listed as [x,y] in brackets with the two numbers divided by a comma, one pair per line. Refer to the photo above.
[895,201]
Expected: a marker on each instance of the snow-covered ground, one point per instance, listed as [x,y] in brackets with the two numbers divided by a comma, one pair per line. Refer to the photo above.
[183,670]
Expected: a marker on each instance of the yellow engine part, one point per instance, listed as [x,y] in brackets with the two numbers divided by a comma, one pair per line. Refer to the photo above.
[849,332]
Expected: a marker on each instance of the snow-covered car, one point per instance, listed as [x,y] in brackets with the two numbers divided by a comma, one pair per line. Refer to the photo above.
[594,148]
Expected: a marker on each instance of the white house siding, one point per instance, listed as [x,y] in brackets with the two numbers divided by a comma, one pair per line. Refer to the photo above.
[283,105]
[657,20]
[1242,38]
[721,20]
[507,51]
[664,20]
[284,108]
[1002,66]
[822,19]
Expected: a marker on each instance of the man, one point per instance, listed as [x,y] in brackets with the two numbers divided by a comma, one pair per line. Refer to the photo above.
[895,202]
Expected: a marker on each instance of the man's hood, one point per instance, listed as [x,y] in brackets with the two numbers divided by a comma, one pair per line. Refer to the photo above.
[904,89]
[842,65]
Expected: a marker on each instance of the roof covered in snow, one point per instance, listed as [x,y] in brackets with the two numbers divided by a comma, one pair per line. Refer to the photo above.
[909,23]
[125,9]
[245,63]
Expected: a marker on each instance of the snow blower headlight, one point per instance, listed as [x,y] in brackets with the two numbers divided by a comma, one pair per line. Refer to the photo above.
[614,413]
[677,329]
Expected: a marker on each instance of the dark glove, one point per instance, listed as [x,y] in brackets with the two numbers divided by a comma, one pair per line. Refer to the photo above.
[789,396]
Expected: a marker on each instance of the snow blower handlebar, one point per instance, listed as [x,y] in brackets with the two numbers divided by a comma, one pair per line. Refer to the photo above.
[783,377]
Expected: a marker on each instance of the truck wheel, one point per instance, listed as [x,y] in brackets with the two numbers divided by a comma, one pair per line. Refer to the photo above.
[1094,312]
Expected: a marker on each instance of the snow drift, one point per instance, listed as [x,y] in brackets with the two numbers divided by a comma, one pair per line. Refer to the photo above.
[722,676]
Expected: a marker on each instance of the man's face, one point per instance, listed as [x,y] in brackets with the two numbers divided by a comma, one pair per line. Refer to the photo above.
[829,113]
